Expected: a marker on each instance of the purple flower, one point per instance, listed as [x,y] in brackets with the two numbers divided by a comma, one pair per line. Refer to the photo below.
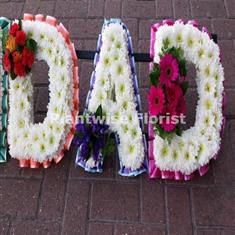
[91,137]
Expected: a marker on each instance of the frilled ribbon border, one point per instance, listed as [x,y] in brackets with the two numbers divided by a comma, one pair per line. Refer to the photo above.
[154,171]
[99,166]
[61,29]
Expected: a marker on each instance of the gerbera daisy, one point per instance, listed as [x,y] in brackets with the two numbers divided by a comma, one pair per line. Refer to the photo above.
[167,122]
[174,93]
[156,100]
[169,69]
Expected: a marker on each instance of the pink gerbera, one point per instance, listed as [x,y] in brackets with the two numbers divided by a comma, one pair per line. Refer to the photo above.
[156,100]
[168,122]
[169,69]
[176,99]
[181,106]
[174,93]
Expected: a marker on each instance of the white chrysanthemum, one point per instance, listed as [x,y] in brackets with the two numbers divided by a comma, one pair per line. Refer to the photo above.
[131,154]
[162,155]
[207,86]
[190,38]
[115,116]
[119,70]
[178,33]
[218,117]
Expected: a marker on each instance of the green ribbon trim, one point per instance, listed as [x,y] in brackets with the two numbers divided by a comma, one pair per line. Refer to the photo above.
[4,120]
[3,154]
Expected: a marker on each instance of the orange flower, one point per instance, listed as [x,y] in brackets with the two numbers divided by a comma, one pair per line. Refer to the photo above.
[11,44]
[17,56]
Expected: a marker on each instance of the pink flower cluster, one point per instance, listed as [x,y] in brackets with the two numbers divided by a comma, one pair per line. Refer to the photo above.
[167,97]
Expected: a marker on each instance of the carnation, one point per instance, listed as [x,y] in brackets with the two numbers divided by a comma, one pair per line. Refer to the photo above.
[13,29]
[21,37]
[19,69]
[28,57]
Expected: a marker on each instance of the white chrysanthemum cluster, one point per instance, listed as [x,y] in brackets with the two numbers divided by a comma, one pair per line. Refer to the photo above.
[44,140]
[201,142]
[113,89]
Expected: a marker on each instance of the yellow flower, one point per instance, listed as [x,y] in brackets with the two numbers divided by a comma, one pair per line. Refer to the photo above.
[11,44]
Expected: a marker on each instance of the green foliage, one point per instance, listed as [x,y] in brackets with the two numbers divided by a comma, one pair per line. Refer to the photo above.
[168,135]
[154,75]
[178,129]
[20,24]
[182,67]
[12,74]
[109,146]
[99,111]
[185,86]
[31,44]
[163,134]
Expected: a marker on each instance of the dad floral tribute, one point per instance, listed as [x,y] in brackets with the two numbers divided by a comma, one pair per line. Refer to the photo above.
[40,37]
[114,87]
[174,154]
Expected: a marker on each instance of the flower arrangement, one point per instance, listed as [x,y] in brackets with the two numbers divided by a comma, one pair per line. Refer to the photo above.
[180,156]
[114,86]
[168,87]
[4,28]
[93,139]
[20,51]
[39,144]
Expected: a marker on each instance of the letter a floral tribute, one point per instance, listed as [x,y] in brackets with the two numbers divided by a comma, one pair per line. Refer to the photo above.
[41,38]
[173,153]
[113,95]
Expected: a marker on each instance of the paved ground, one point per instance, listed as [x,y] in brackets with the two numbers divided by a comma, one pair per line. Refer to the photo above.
[66,200]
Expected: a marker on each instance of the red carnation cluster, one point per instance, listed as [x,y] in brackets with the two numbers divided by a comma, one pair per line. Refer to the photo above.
[166,94]
[20,52]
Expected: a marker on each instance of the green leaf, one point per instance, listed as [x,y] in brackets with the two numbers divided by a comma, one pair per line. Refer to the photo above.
[20,48]
[109,146]
[185,86]
[175,52]
[89,151]
[182,67]
[31,44]
[20,24]
[12,74]
[166,43]
[99,112]
[162,133]
[178,130]
[27,69]
[154,75]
